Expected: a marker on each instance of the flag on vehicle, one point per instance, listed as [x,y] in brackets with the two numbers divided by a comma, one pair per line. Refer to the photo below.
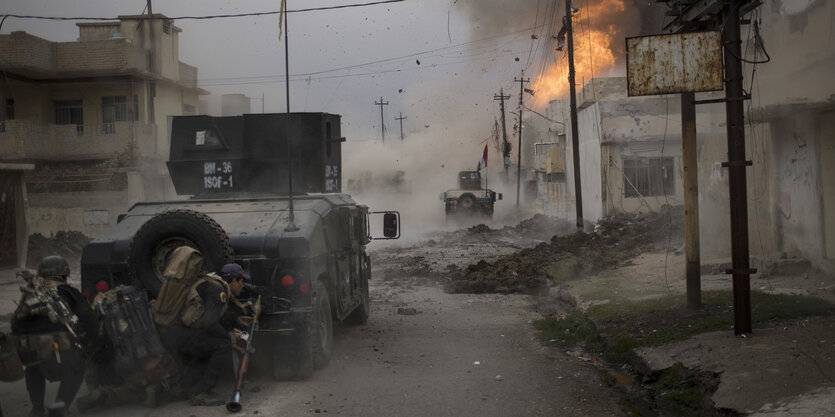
[482,163]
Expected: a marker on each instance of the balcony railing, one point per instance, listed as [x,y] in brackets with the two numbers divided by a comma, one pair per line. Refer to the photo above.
[22,139]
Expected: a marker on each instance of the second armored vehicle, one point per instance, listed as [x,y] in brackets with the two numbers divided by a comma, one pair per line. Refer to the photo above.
[470,198]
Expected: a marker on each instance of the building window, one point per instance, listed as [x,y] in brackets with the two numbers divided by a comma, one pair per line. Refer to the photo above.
[648,177]
[113,109]
[188,110]
[9,109]
[69,112]
[135,110]
[166,28]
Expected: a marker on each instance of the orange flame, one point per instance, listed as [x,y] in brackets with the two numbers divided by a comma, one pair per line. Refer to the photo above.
[594,53]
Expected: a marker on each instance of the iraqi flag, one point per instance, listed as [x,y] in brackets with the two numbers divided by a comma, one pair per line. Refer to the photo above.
[482,163]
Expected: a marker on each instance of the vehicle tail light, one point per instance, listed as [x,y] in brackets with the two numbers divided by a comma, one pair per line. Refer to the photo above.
[85,294]
[102,286]
[304,288]
[287,281]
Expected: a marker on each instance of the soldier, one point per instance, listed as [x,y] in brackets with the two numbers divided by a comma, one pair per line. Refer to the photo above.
[198,338]
[50,323]
[238,316]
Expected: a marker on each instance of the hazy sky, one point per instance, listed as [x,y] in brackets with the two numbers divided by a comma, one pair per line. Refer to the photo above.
[437,62]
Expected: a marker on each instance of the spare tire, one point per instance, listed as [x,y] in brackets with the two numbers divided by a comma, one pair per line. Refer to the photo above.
[168,230]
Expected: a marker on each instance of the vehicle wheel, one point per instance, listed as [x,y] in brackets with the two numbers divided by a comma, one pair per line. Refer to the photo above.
[361,313]
[321,326]
[467,202]
[166,231]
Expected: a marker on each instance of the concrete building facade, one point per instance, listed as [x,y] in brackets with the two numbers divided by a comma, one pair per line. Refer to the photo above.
[630,147]
[92,115]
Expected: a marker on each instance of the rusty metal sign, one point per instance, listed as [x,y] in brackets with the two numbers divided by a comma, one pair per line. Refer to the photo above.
[678,63]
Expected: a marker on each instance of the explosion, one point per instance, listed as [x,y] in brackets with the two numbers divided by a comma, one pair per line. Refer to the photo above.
[594,51]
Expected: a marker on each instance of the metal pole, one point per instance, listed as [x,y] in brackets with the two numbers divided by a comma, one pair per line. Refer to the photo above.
[286,59]
[505,144]
[401,118]
[521,82]
[736,164]
[575,137]
[382,120]
[691,199]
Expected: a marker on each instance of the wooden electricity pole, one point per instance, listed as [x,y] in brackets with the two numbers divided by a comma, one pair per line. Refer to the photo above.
[521,82]
[505,144]
[401,119]
[382,120]
[691,200]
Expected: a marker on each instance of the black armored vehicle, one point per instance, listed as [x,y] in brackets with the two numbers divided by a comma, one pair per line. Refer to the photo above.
[264,191]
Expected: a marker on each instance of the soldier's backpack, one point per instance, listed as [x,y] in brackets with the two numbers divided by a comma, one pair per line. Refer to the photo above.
[128,324]
[181,273]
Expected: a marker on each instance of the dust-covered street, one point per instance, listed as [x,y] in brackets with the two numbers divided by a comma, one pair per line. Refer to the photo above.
[423,352]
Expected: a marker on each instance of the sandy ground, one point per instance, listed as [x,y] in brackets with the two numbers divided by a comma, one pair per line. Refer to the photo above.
[783,369]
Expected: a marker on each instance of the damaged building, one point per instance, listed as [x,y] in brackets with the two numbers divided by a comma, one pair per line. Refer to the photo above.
[91,115]
[630,147]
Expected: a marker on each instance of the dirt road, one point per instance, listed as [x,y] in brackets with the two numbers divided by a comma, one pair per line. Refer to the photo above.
[424,352]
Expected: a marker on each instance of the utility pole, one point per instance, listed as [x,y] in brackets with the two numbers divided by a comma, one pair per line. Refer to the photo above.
[286,60]
[734,111]
[521,82]
[401,119]
[505,144]
[152,86]
[691,200]
[692,18]
[575,135]
[382,121]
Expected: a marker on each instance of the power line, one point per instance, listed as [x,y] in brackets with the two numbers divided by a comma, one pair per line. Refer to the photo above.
[382,61]
[219,16]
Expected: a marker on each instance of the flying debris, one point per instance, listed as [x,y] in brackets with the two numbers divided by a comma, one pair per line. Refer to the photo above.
[418,61]
[529,91]
[517,59]
[400,90]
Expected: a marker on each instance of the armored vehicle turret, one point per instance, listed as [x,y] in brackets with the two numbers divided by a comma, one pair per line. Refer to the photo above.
[264,191]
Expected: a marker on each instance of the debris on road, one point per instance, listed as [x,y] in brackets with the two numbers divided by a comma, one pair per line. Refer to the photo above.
[566,257]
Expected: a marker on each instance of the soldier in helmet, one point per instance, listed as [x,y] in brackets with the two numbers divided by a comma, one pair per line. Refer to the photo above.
[50,324]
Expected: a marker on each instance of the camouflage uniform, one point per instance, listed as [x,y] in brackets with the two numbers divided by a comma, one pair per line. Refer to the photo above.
[46,348]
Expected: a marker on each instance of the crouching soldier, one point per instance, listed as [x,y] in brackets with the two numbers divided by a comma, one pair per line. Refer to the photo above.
[50,325]
[189,309]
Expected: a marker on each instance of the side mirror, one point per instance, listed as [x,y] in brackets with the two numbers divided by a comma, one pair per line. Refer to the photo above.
[500,196]
[391,224]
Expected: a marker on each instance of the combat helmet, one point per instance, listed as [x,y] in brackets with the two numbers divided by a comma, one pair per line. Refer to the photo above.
[53,266]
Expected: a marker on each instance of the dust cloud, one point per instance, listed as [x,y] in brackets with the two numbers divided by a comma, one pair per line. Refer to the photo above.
[410,175]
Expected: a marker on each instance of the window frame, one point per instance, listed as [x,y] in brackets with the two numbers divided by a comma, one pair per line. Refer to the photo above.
[648,177]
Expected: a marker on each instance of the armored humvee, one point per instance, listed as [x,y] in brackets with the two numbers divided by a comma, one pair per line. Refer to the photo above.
[266,193]
[470,198]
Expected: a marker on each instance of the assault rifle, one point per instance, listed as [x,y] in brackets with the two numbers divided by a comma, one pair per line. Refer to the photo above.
[45,298]
[234,405]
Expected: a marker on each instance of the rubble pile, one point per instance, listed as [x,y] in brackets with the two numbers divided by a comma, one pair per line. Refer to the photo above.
[613,241]
[65,243]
